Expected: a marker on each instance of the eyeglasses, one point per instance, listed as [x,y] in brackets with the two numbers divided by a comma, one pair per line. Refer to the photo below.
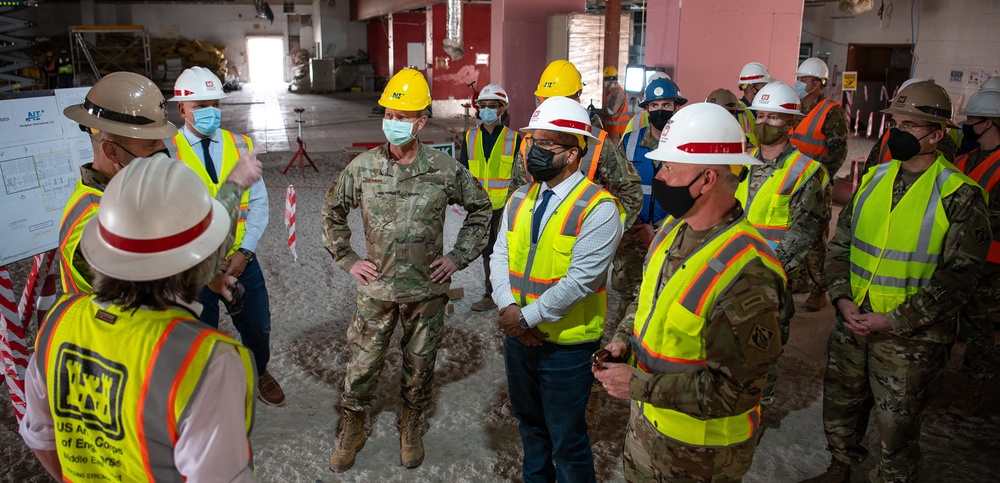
[490,105]
[547,145]
[909,127]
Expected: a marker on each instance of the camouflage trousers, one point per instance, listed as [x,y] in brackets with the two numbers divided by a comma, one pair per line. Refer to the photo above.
[651,456]
[626,272]
[368,340]
[975,328]
[787,312]
[895,376]
[813,271]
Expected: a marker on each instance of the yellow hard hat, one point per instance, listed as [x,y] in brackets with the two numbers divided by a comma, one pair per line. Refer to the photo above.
[406,91]
[610,71]
[560,78]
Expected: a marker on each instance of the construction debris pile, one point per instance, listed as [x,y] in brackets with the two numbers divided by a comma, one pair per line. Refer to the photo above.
[172,56]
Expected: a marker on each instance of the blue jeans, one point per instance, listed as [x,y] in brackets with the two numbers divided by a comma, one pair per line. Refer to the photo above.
[549,388]
[254,322]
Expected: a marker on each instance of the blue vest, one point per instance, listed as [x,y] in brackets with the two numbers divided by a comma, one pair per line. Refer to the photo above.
[637,155]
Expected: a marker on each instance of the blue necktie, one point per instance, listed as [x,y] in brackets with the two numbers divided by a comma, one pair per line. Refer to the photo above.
[209,164]
[536,217]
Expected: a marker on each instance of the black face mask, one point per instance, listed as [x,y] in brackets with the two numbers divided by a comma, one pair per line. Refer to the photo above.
[675,200]
[903,146]
[658,119]
[969,131]
[539,164]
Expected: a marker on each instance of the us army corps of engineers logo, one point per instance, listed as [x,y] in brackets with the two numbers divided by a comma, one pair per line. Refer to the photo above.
[90,388]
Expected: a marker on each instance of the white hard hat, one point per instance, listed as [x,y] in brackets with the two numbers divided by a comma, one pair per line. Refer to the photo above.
[991,83]
[754,73]
[493,92]
[156,219]
[562,114]
[985,103]
[198,84]
[777,97]
[703,133]
[813,67]
[911,81]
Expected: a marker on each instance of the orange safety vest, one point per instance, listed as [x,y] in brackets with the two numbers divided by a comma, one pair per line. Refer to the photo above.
[588,165]
[987,174]
[616,122]
[808,136]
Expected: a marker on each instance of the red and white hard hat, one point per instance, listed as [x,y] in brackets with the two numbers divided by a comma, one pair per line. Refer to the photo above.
[703,133]
[777,97]
[198,84]
[813,67]
[156,219]
[562,114]
[754,73]
[493,92]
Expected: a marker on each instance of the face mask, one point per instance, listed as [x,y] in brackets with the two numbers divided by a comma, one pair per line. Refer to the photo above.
[540,166]
[800,89]
[489,116]
[658,119]
[398,133]
[969,131]
[768,134]
[903,146]
[675,200]
[207,120]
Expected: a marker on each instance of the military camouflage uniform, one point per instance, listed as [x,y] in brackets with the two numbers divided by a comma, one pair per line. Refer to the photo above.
[403,209]
[896,372]
[731,382]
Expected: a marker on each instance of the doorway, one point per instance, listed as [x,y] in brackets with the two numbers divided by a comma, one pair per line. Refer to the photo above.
[878,66]
[266,56]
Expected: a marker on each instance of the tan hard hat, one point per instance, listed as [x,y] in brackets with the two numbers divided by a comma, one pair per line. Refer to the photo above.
[125,104]
[725,98]
[923,100]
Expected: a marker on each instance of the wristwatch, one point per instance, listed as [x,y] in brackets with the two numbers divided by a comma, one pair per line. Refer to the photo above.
[247,253]
[523,323]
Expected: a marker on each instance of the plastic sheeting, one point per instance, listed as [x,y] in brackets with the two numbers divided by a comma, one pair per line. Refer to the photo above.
[579,38]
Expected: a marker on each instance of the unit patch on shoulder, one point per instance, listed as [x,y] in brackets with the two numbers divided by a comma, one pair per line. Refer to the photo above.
[760,337]
[982,236]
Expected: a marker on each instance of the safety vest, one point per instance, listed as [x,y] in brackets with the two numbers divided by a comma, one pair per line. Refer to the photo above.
[118,383]
[615,123]
[638,121]
[747,121]
[895,250]
[183,151]
[82,206]
[494,173]
[531,275]
[651,211]
[668,334]
[808,136]
[986,174]
[588,165]
[768,208]
[65,66]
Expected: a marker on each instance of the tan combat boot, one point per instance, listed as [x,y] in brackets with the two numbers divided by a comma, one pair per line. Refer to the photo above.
[351,440]
[816,301]
[968,400]
[411,447]
[837,472]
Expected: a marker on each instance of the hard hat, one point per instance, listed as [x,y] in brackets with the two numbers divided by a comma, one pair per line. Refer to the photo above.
[48,54]
[198,84]
[658,75]
[562,114]
[985,103]
[754,73]
[406,91]
[726,99]
[659,89]
[911,81]
[125,104]
[703,133]
[813,67]
[493,92]
[560,78]
[610,71]
[156,219]
[991,83]
[923,100]
[777,97]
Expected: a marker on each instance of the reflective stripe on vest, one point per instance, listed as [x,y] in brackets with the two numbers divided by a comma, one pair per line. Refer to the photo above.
[122,404]
[895,257]
[82,206]
[986,174]
[808,136]
[615,123]
[747,122]
[231,146]
[651,211]
[494,174]
[884,156]
[638,121]
[588,165]
[531,275]
[668,336]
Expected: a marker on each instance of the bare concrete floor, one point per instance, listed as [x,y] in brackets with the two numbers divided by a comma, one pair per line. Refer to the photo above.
[470,435]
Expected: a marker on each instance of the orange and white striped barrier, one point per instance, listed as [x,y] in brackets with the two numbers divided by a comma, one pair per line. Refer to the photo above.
[290,219]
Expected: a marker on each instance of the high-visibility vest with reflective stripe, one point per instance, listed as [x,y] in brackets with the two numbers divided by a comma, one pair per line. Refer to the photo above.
[615,123]
[808,136]
[588,165]
[987,175]
[82,206]
[494,174]
[895,250]
[638,121]
[119,382]
[668,334]
[747,121]
[884,156]
[767,208]
[231,146]
[532,273]
[651,212]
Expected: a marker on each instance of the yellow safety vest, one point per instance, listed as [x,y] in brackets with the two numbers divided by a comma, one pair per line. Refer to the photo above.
[747,121]
[231,145]
[531,274]
[588,164]
[637,122]
[895,250]
[82,206]
[767,209]
[119,381]
[494,174]
[668,335]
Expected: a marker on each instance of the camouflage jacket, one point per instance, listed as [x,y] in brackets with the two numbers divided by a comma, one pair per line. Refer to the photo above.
[403,209]
[835,128]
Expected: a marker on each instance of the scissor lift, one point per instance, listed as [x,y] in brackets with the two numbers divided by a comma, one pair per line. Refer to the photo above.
[12,55]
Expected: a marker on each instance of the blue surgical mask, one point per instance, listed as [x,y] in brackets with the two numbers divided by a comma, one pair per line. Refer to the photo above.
[399,133]
[207,120]
[800,89]
[489,116]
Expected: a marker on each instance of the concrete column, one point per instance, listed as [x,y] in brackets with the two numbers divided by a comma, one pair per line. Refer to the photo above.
[392,51]
[334,30]
[87,16]
[703,45]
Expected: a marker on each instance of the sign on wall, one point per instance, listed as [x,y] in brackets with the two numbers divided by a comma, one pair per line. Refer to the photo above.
[850,82]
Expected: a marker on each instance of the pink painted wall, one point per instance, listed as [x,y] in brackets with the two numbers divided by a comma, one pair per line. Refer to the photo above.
[703,45]
[517,54]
